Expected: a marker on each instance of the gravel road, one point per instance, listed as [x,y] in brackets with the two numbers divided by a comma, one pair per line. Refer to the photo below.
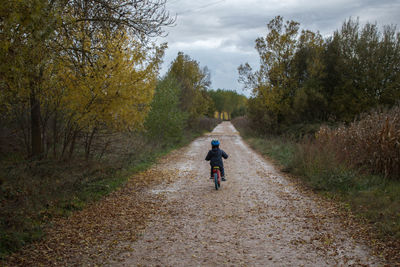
[258,218]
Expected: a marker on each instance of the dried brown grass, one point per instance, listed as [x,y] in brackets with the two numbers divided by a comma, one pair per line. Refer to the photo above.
[371,143]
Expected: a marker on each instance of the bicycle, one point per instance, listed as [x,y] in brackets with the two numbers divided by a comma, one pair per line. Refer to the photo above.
[217,177]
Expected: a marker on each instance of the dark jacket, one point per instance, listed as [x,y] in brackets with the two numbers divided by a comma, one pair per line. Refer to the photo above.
[215,156]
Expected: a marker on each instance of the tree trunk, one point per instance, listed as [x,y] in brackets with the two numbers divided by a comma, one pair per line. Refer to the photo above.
[104,149]
[65,142]
[72,146]
[36,135]
[68,133]
[89,143]
[55,134]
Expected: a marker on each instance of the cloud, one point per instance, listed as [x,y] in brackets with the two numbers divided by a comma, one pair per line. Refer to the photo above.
[220,34]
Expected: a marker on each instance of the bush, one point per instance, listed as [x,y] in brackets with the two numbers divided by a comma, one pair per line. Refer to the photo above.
[243,125]
[202,124]
[299,130]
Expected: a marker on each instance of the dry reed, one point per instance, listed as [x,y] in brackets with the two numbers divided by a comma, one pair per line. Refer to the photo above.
[371,143]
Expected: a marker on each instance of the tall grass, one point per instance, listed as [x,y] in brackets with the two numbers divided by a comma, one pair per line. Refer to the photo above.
[371,143]
[320,166]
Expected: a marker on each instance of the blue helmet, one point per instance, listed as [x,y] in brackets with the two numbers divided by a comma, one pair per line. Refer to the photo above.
[215,143]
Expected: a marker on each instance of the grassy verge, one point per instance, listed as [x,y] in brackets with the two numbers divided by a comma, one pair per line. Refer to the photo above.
[33,193]
[373,199]
[280,151]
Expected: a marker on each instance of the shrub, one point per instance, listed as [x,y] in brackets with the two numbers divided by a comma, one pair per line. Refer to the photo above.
[243,125]
[202,124]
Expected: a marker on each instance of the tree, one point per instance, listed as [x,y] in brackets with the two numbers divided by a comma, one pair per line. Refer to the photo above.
[362,69]
[40,38]
[26,30]
[308,71]
[306,78]
[218,99]
[143,18]
[165,121]
[389,62]
[272,82]
[194,82]
[113,91]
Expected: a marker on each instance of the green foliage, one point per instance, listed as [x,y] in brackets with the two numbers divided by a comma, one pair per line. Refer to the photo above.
[181,102]
[165,121]
[262,119]
[361,62]
[27,29]
[194,82]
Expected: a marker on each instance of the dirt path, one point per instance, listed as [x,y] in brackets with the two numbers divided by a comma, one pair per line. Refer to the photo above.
[258,218]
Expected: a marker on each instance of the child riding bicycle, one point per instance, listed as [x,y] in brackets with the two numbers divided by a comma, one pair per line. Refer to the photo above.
[215,156]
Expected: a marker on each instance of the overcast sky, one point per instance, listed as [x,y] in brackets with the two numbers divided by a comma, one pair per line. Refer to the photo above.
[220,34]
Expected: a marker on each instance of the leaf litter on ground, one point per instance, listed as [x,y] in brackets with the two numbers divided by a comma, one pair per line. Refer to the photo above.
[100,232]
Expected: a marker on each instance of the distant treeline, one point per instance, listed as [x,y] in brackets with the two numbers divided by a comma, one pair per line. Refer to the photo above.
[304,77]
[229,102]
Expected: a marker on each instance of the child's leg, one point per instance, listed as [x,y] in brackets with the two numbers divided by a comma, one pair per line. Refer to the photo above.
[222,171]
[211,175]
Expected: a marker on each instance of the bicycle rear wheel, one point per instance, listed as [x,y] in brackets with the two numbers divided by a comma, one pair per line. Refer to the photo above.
[216,180]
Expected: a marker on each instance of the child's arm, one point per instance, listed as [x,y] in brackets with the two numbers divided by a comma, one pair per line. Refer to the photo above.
[208,157]
[224,155]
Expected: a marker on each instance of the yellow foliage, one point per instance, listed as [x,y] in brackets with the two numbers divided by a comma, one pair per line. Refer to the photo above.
[117,88]
[222,115]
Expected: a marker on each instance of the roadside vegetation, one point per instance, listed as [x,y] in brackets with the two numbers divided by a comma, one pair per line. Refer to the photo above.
[326,110]
[322,163]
